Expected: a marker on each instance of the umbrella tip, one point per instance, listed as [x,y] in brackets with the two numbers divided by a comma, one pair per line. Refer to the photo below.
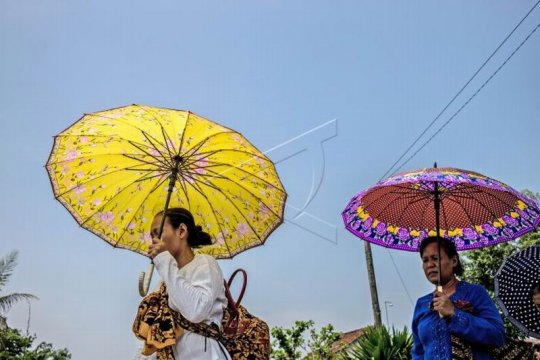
[435,164]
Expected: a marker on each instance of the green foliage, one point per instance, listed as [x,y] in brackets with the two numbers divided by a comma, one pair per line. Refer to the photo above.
[377,343]
[289,344]
[320,343]
[14,346]
[482,265]
[7,264]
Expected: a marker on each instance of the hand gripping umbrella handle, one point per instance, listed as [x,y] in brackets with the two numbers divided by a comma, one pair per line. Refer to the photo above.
[144,280]
[439,289]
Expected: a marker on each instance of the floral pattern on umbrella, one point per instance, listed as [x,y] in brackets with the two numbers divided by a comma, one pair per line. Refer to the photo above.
[111,169]
[476,211]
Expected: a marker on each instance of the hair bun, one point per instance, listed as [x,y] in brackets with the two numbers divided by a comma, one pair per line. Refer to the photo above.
[198,228]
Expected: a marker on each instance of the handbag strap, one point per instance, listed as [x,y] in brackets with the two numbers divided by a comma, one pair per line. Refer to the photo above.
[233,304]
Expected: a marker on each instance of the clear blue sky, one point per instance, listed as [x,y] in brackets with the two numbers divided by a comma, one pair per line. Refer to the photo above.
[272,70]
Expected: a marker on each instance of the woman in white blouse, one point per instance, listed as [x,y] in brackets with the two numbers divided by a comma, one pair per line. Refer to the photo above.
[194,281]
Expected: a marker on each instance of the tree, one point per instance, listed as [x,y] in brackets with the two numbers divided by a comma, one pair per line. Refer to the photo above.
[482,265]
[321,343]
[290,344]
[7,264]
[14,346]
[377,343]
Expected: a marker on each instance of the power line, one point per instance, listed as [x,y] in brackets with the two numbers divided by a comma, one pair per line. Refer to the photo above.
[453,116]
[470,98]
[458,93]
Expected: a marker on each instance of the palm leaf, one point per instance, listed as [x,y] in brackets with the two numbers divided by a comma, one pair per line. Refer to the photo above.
[7,264]
[6,302]
[377,343]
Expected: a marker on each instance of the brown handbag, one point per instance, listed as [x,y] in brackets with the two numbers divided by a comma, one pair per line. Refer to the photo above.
[244,336]
[513,349]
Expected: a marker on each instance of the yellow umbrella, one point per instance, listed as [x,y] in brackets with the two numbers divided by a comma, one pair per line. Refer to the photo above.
[114,170]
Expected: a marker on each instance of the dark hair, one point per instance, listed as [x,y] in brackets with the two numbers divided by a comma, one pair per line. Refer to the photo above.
[536,289]
[197,238]
[449,248]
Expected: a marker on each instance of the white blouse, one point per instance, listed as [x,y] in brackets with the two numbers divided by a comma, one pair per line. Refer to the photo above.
[195,290]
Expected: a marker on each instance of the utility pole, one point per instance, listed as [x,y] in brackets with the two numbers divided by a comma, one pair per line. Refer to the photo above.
[372,285]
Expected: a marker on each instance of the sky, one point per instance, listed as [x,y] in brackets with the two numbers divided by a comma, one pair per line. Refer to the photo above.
[337,90]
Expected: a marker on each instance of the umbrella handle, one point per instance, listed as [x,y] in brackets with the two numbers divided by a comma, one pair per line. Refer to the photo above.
[144,281]
[439,289]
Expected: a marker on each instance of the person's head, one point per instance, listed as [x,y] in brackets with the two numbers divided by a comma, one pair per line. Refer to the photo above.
[450,263]
[179,230]
[536,296]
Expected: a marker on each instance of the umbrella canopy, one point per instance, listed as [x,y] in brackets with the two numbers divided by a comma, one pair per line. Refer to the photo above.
[112,169]
[514,282]
[475,211]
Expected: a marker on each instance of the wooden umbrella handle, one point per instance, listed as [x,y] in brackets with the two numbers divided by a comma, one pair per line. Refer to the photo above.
[440,289]
[144,280]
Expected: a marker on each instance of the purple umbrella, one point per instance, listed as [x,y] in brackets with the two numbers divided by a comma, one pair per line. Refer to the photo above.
[470,209]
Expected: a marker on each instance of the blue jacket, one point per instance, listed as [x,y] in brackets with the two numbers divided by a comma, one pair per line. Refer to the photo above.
[482,329]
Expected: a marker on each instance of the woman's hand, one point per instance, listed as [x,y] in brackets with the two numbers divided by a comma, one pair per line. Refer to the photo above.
[156,247]
[443,304]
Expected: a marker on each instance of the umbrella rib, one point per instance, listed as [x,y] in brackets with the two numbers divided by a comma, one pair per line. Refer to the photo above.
[478,201]
[86,182]
[167,139]
[408,196]
[158,169]
[248,191]
[89,180]
[493,197]
[408,188]
[376,199]
[151,155]
[244,152]
[147,177]
[445,218]
[198,145]
[236,207]
[194,176]
[82,157]
[105,203]
[113,136]
[122,120]
[403,195]
[191,162]
[406,207]
[139,207]
[242,170]
[193,150]
[151,113]
[464,210]
[163,165]
[184,189]
[210,205]
[147,136]
[423,217]
[255,155]
[256,197]
[183,133]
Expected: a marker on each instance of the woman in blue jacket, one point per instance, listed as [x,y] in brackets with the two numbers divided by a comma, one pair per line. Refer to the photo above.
[462,309]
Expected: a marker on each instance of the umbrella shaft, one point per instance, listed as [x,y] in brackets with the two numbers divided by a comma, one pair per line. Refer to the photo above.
[172,181]
[438,230]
